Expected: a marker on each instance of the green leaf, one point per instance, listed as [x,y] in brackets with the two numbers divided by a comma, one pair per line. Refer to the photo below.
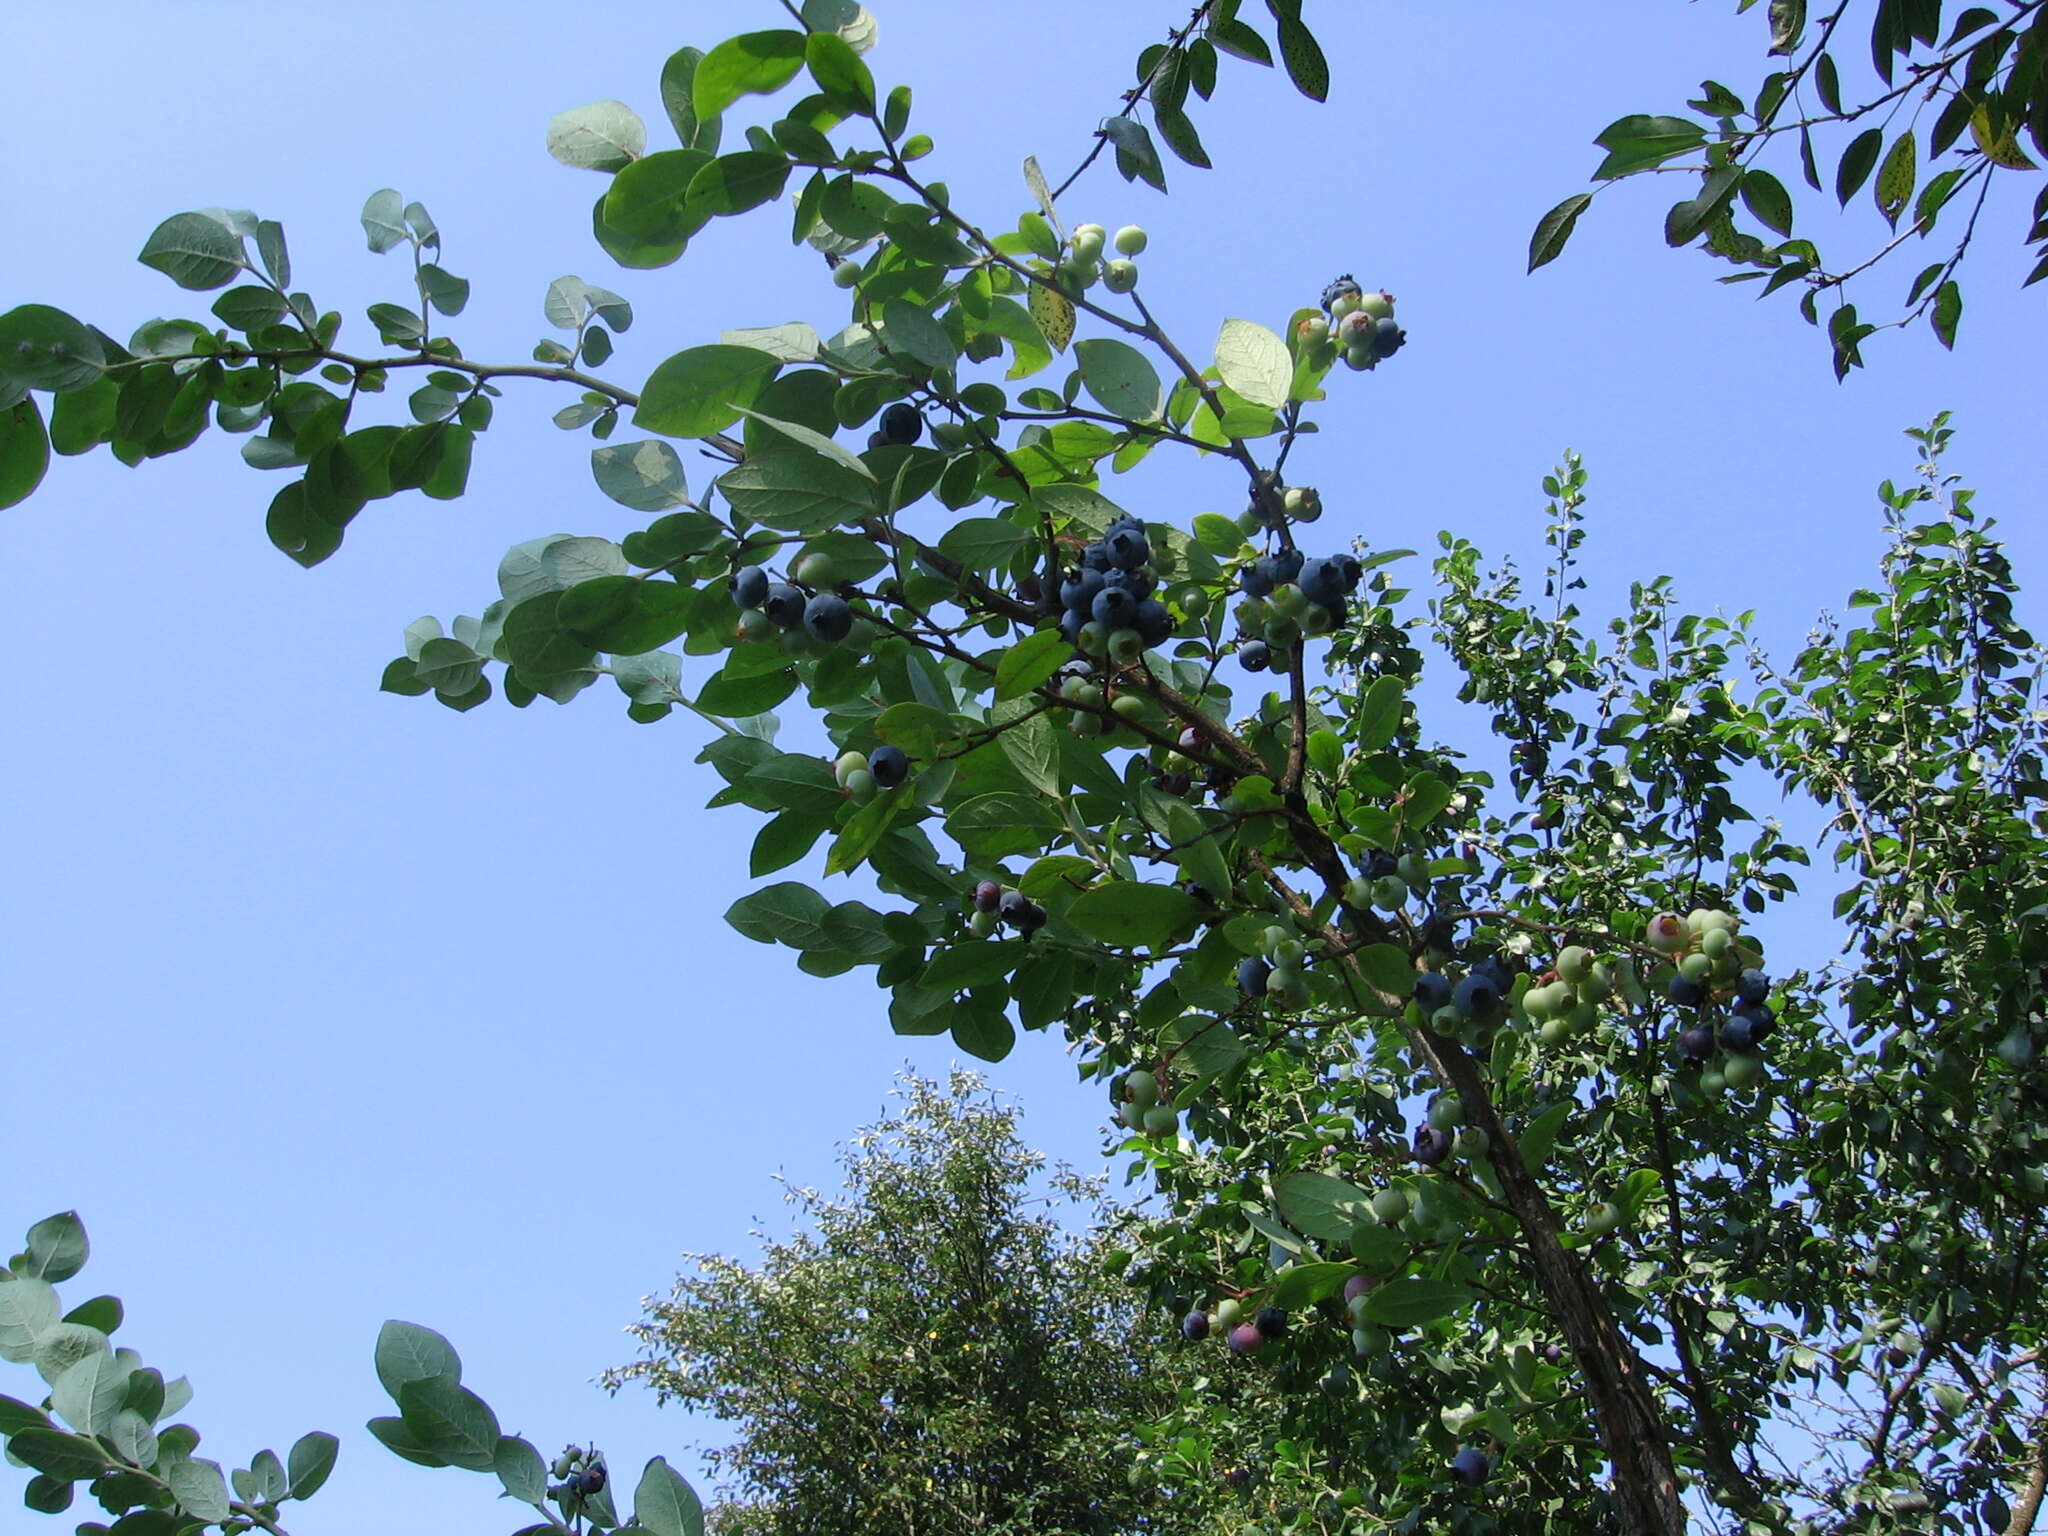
[983,1032]
[1236,38]
[1303,1285]
[384,220]
[194,251]
[1178,130]
[201,1488]
[1030,662]
[1254,362]
[15,1416]
[24,451]
[90,1391]
[839,72]
[985,544]
[919,729]
[912,331]
[702,390]
[1130,914]
[1640,141]
[44,348]
[521,1472]
[646,476]
[678,101]
[1765,196]
[816,441]
[1322,1207]
[994,826]
[1541,1134]
[1857,162]
[451,1421]
[1119,378]
[56,1454]
[1306,66]
[407,1352]
[798,491]
[973,963]
[311,1460]
[665,1503]
[603,136]
[1555,228]
[1948,311]
[1412,1301]
[1379,713]
[28,1309]
[1896,177]
[1076,509]
[1198,848]
[1032,748]
[737,182]
[784,913]
[752,64]
[401,1441]
[649,201]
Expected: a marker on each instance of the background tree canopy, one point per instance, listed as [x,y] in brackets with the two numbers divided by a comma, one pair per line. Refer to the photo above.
[1300,921]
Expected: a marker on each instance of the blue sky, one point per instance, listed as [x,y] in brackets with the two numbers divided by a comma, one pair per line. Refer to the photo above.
[326,1006]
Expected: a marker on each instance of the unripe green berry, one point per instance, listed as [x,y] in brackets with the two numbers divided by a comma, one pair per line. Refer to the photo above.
[1088,241]
[1192,601]
[1574,963]
[846,274]
[1129,706]
[1120,276]
[860,786]
[847,763]
[1130,240]
[1141,1087]
[815,570]
[1161,1120]
[1378,305]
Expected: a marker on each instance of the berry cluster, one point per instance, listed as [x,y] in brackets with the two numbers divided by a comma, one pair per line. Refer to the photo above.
[582,1474]
[804,604]
[863,774]
[1083,265]
[1358,325]
[1107,602]
[1241,1335]
[1139,1106]
[993,906]
[1708,966]
[1287,596]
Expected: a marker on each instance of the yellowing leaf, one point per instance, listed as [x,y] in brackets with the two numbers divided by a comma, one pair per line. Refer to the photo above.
[1054,312]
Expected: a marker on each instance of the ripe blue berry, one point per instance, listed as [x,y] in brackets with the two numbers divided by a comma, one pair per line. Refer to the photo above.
[827,618]
[1095,558]
[1478,995]
[1077,593]
[1271,1322]
[1128,547]
[1471,1466]
[1432,991]
[750,587]
[1254,655]
[1752,987]
[1696,1044]
[1322,581]
[1154,623]
[1113,608]
[1343,287]
[889,766]
[1195,1326]
[1252,973]
[785,604]
[1432,1146]
[901,424]
[1685,992]
[1738,1032]
[1257,579]
[1387,337]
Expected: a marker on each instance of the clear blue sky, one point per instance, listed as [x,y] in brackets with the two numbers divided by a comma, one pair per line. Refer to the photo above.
[325,1006]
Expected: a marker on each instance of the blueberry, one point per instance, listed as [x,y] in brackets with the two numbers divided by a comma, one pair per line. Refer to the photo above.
[590,1481]
[1128,547]
[1738,1032]
[1477,996]
[1432,1146]
[987,896]
[1685,993]
[1285,564]
[1553,1353]
[1432,991]
[1271,1322]
[1696,1044]
[901,424]
[1337,610]
[827,618]
[1343,287]
[1077,593]
[1245,1338]
[1095,558]
[1254,656]
[1351,570]
[1153,622]
[1760,1017]
[1257,579]
[1387,337]
[889,766]
[1010,905]
[1113,608]
[1471,1466]
[1377,864]
[1070,626]
[1252,973]
[750,587]
[1322,581]
[1195,1326]
[785,604]
[1121,581]
[1752,987]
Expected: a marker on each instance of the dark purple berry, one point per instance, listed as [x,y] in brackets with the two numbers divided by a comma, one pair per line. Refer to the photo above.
[1254,655]
[1760,1018]
[1471,1466]
[827,618]
[901,424]
[987,896]
[785,604]
[1252,974]
[1343,287]
[1153,622]
[1432,1146]
[1432,991]
[1696,1044]
[1271,1322]
[1738,1032]
[889,766]
[1387,337]
[1752,987]
[1245,1338]
[1077,592]
[1195,1326]
[750,587]
[1685,992]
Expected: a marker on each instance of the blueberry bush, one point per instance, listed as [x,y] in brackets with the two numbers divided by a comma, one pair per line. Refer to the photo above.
[1483,1128]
